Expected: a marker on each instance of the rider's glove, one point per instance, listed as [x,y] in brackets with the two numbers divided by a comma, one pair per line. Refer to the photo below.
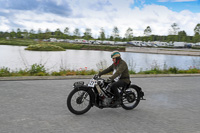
[96,76]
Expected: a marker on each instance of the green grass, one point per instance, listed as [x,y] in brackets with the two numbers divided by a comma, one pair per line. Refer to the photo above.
[28,42]
[40,70]
[17,42]
[44,47]
[89,47]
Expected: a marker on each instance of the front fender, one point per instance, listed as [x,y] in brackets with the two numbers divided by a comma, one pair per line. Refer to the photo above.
[89,90]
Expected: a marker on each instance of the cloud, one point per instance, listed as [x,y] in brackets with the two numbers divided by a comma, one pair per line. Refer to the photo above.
[41,6]
[19,4]
[99,5]
[51,7]
[53,14]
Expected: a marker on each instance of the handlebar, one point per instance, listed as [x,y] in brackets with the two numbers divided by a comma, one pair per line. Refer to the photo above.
[97,77]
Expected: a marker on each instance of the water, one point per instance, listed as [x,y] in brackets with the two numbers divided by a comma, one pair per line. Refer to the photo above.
[15,58]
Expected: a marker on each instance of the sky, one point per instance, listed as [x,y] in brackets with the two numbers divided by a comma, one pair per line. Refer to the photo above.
[95,14]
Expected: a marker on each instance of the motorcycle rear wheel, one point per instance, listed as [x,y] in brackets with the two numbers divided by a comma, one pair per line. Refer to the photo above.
[130,98]
[78,101]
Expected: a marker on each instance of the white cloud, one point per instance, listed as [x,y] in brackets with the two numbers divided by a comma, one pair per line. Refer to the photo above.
[106,14]
[3,24]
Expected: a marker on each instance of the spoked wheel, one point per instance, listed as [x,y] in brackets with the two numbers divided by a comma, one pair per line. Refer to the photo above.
[78,101]
[130,98]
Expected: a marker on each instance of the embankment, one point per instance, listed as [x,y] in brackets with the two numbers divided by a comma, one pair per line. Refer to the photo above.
[188,52]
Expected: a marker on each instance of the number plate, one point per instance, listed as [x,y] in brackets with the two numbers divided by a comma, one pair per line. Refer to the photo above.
[92,83]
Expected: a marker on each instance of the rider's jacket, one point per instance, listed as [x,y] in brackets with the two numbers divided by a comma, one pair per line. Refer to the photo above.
[120,71]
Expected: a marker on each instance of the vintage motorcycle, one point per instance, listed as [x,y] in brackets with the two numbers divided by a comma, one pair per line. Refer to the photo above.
[98,93]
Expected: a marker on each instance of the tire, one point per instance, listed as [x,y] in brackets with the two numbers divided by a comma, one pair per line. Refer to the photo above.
[130,98]
[79,99]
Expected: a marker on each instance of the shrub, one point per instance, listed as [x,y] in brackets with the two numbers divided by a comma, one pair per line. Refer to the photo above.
[132,72]
[21,72]
[173,70]
[193,70]
[4,71]
[71,73]
[152,71]
[41,74]
[56,74]
[35,68]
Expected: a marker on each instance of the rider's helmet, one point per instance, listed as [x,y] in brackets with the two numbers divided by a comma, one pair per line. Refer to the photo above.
[115,54]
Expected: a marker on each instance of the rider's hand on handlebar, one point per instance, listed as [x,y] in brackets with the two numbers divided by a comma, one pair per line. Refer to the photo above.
[96,76]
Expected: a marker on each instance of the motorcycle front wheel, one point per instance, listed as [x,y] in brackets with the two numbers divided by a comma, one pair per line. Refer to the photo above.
[130,98]
[78,101]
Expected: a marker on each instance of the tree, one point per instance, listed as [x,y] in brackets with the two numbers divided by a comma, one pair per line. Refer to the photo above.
[76,33]
[147,31]
[19,33]
[13,34]
[66,32]
[39,35]
[115,33]
[174,30]
[102,34]
[47,34]
[196,37]
[32,34]
[111,38]
[129,34]
[87,34]
[197,29]
[182,36]
[58,33]
[25,33]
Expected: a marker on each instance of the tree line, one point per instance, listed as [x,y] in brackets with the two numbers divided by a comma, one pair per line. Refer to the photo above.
[175,34]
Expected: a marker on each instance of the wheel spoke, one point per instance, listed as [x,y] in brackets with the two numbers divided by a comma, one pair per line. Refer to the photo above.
[84,101]
[130,98]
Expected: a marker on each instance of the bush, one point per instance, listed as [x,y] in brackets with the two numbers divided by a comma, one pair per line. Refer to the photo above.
[5,72]
[173,70]
[41,74]
[71,73]
[132,72]
[92,72]
[152,71]
[193,70]
[35,68]
[56,74]
[22,72]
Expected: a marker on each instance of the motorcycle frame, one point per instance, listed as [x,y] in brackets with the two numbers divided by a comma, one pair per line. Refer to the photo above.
[94,95]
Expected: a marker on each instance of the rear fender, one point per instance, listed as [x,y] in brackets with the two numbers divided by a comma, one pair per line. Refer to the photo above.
[139,89]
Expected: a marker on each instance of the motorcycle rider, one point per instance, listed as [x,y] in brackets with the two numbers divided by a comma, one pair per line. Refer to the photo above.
[120,75]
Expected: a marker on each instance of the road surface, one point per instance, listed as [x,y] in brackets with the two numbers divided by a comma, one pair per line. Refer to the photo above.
[39,106]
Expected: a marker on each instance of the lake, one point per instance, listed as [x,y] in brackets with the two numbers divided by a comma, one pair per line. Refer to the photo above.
[15,58]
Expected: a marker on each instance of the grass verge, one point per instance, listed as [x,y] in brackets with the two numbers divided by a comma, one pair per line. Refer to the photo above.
[40,70]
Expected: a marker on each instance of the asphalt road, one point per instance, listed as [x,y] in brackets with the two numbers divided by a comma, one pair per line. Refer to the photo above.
[39,106]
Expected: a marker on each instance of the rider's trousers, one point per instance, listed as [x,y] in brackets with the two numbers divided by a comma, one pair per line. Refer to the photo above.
[114,88]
